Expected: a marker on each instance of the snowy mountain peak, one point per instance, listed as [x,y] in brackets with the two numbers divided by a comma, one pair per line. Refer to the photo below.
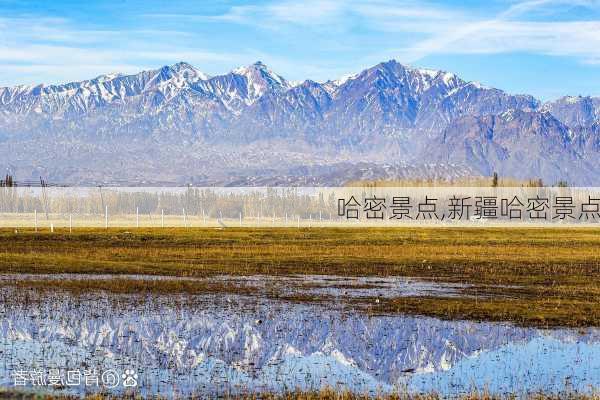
[573,99]
[261,79]
[180,75]
[343,79]
[189,72]
[478,85]
[243,70]
[107,77]
[429,77]
[432,73]
[575,110]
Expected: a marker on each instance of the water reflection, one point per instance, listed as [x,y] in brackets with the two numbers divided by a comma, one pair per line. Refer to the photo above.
[311,285]
[224,344]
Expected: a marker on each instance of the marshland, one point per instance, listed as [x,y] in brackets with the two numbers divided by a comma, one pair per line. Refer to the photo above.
[288,312]
[530,276]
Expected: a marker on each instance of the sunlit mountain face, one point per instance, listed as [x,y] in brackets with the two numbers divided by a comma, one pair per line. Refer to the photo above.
[251,126]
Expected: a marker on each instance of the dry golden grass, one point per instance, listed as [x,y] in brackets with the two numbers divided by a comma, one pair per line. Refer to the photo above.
[530,276]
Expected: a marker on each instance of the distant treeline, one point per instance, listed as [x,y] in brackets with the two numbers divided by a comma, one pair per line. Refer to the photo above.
[478,181]
[195,201]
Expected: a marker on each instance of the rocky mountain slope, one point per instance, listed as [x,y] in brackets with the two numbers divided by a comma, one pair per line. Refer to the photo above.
[177,125]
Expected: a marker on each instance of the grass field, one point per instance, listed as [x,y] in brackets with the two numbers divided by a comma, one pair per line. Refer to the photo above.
[529,276]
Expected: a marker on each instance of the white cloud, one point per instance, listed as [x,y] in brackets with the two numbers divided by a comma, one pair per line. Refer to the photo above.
[445,30]
[511,31]
[365,32]
[52,50]
[334,14]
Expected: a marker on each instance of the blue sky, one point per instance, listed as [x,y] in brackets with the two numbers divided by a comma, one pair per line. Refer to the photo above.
[543,47]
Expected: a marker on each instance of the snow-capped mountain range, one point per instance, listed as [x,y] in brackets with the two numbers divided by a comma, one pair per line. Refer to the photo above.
[177,125]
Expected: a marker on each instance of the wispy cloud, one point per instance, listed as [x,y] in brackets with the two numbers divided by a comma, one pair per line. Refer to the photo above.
[33,48]
[512,31]
[331,14]
[318,39]
[573,39]
[445,30]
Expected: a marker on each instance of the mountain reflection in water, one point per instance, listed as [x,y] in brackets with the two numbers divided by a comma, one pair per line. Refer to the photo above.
[226,344]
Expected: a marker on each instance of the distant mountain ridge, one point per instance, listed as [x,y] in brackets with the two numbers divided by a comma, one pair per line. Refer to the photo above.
[177,125]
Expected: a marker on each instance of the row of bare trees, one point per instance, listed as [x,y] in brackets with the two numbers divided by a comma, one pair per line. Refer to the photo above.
[192,201]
